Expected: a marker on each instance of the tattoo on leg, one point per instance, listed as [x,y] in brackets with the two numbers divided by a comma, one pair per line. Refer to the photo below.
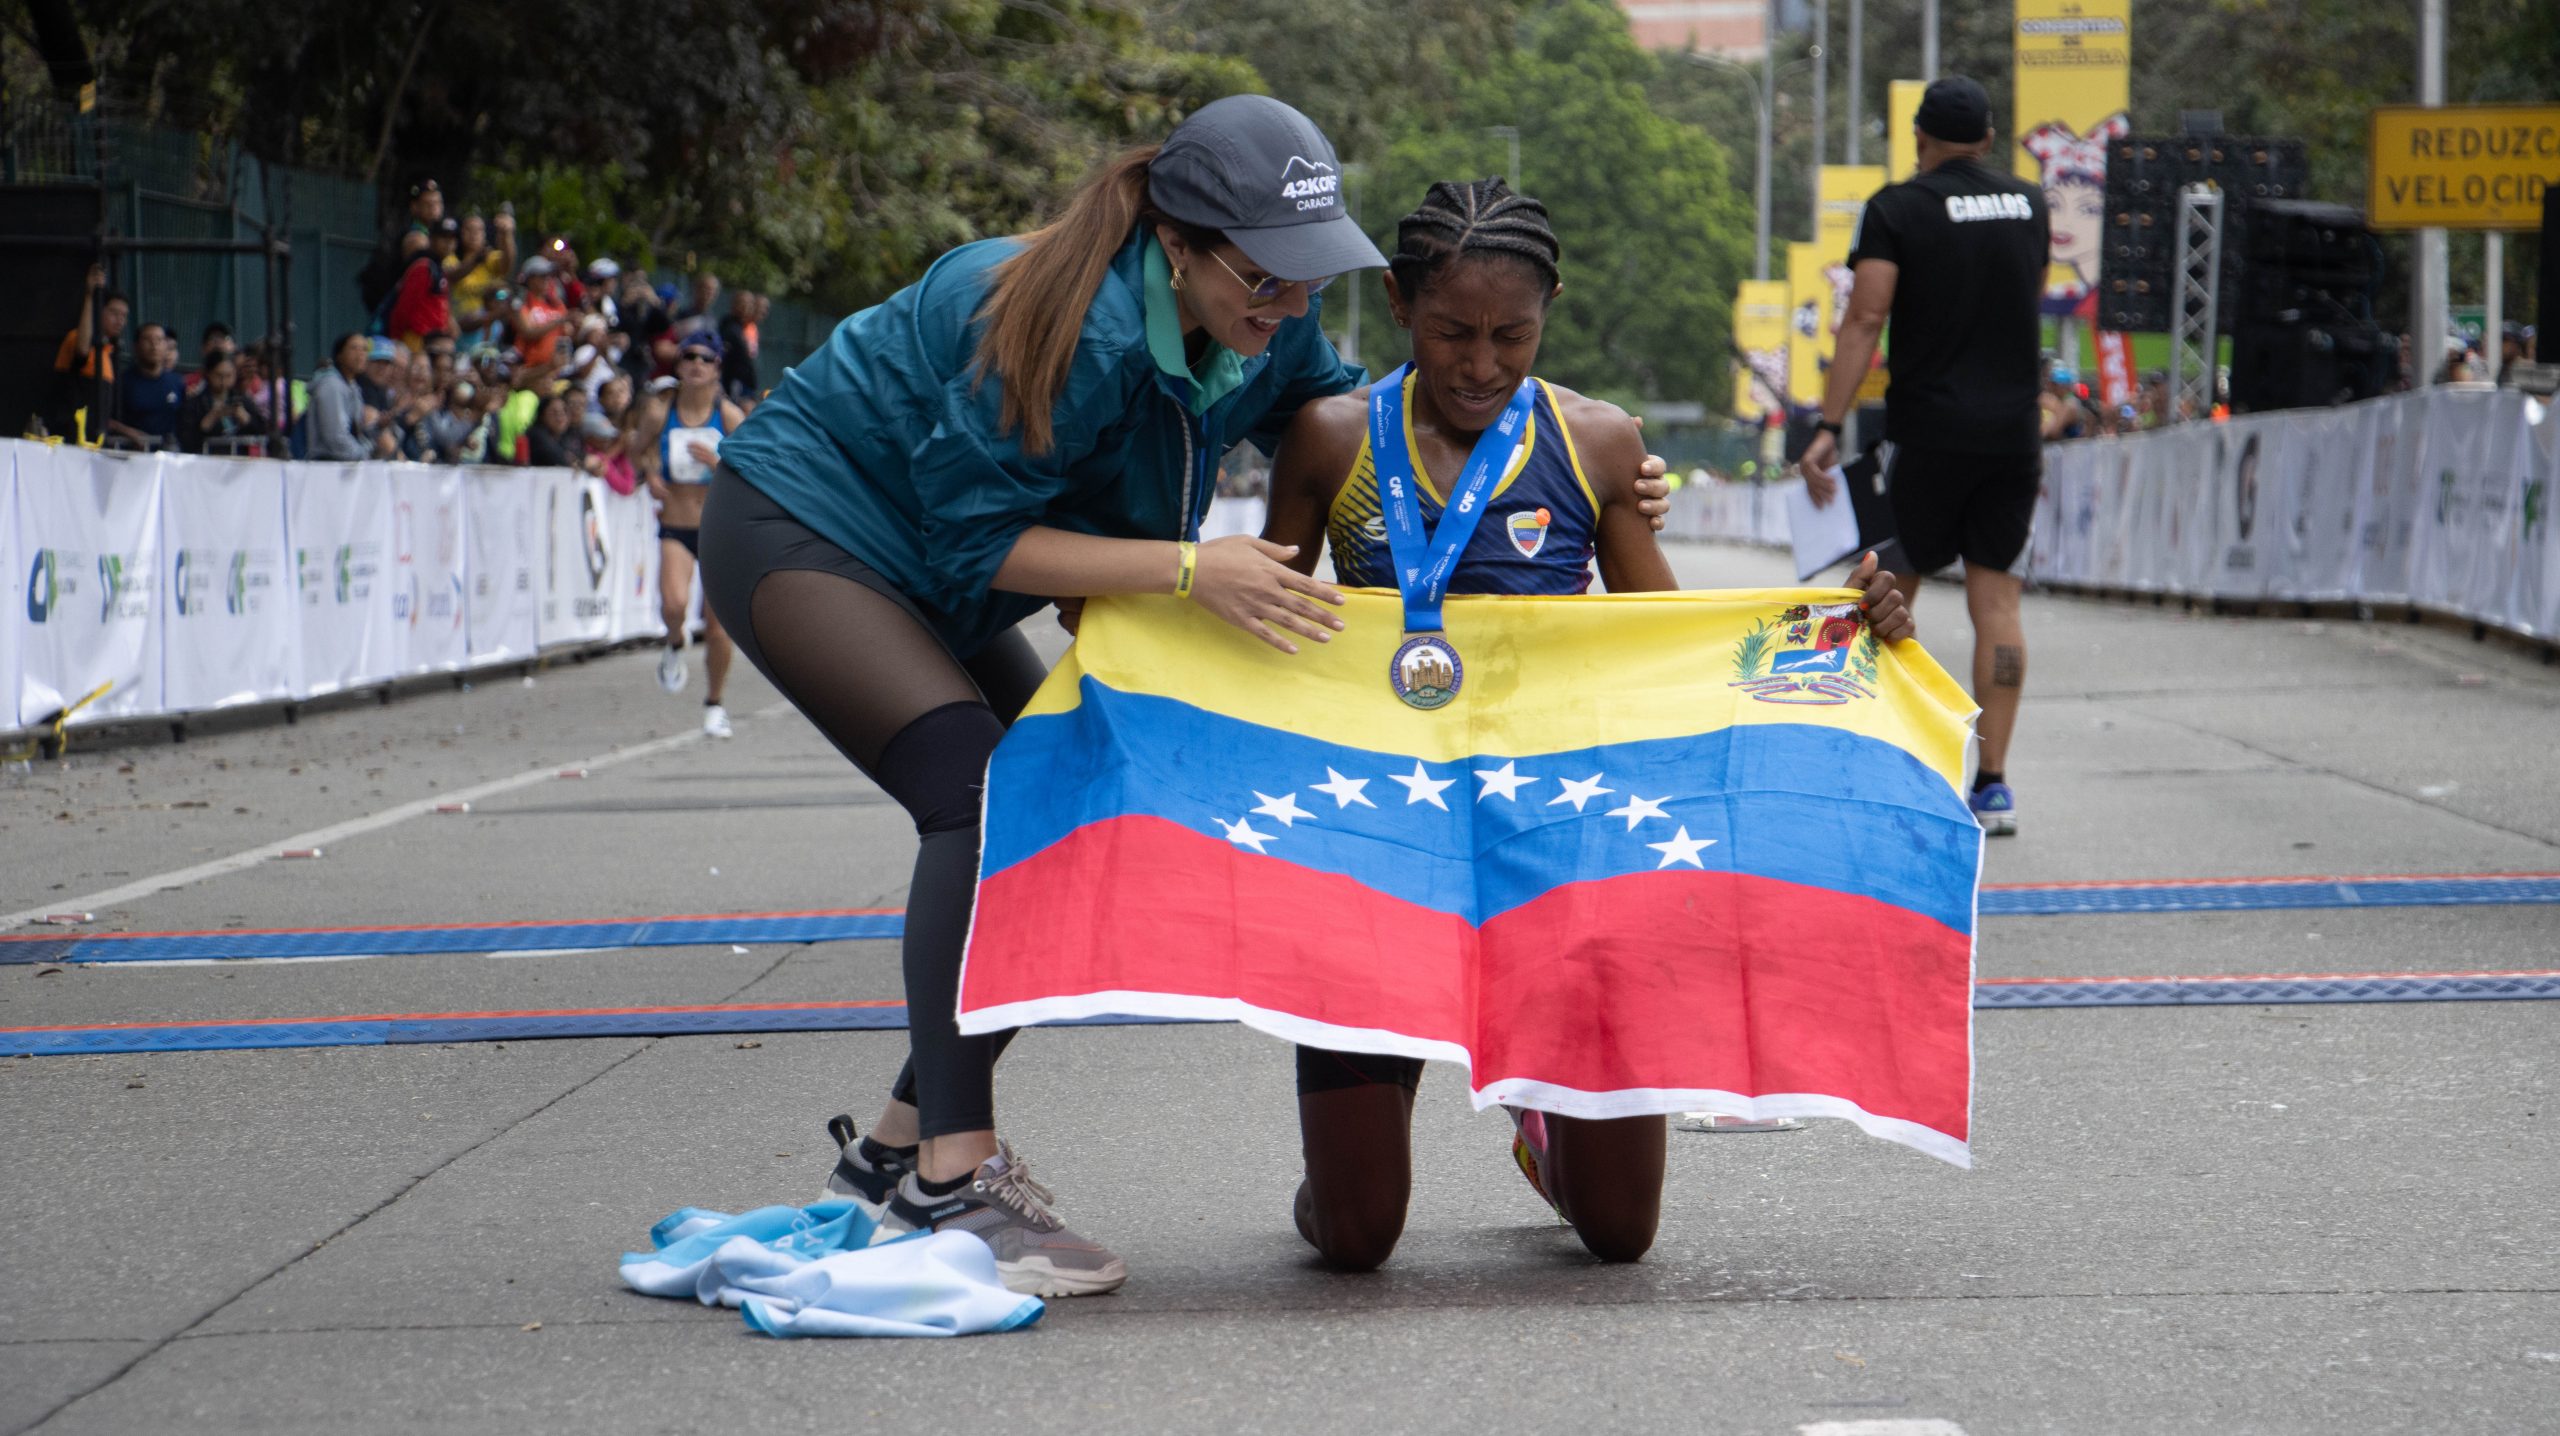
[2008,665]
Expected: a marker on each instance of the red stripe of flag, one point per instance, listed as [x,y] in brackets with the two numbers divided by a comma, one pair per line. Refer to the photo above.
[1683,979]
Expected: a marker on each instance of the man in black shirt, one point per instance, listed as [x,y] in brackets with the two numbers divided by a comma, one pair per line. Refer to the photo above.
[1955,258]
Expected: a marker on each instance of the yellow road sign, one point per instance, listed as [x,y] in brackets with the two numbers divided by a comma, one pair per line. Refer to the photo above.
[2461,166]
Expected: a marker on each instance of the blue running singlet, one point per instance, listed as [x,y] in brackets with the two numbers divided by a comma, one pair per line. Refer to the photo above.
[1514,551]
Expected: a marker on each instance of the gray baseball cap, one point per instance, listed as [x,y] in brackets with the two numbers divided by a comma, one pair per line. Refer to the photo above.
[1264,175]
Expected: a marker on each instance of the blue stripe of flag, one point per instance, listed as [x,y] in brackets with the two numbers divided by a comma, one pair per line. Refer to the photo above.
[1793,802]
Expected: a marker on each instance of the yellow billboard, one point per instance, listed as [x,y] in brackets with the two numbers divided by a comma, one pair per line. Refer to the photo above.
[2461,167]
[1901,110]
[1818,277]
[1809,322]
[2074,68]
[1760,332]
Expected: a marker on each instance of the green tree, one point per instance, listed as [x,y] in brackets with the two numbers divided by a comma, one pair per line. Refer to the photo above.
[1655,233]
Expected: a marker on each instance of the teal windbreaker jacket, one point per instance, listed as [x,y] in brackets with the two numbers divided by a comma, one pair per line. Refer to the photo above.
[887,441]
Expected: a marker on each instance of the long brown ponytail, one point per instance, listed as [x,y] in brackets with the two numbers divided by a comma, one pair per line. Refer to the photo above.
[1036,306]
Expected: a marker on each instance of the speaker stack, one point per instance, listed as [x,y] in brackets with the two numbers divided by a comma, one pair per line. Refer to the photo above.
[2304,333]
[2137,263]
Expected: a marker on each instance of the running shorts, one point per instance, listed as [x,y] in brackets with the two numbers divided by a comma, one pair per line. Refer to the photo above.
[1949,506]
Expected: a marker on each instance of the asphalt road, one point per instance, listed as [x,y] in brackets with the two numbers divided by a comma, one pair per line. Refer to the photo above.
[2243,1219]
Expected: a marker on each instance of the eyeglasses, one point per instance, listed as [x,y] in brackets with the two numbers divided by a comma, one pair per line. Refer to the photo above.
[1268,289]
[696,355]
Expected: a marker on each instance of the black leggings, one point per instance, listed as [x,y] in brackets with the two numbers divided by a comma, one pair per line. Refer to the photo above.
[856,656]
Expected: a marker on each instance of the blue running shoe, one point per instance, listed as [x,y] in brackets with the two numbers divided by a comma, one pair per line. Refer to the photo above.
[1996,809]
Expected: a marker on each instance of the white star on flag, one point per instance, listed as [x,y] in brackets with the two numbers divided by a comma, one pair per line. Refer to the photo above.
[1639,809]
[1283,810]
[1506,780]
[1681,849]
[1344,791]
[1579,791]
[1242,834]
[1422,787]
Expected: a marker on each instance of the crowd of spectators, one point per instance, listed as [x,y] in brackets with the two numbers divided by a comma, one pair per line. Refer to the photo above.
[479,353]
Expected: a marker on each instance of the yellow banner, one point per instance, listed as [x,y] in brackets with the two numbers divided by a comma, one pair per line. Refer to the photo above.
[2462,167]
[1901,111]
[1818,277]
[2074,68]
[1808,322]
[1760,332]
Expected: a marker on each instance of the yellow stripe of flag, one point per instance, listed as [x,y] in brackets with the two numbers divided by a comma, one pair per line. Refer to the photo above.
[1543,674]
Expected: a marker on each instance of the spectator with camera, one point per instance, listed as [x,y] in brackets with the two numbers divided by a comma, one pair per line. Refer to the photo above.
[218,418]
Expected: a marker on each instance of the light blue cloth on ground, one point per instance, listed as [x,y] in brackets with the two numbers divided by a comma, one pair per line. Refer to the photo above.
[811,1271]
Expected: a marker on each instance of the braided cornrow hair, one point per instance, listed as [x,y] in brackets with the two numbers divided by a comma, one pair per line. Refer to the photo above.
[1458,219]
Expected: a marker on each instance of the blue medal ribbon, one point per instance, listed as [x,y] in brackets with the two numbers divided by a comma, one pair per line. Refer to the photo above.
[1425,562]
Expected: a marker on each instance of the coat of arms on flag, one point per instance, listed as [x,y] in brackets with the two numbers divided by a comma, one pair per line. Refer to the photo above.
[1611,876]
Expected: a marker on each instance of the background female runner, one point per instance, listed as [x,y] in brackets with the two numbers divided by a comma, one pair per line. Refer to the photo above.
[1473,273]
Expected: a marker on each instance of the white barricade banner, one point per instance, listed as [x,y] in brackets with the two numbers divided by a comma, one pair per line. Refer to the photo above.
[232,635]
[504,610]
[2390,516]
[2236,505]
[2452,462]
[576,608]
[428,569]
[634,581]
[339,516]
[2534,604]
[13,584]
[2497,519]
[2323,480]
[89,539]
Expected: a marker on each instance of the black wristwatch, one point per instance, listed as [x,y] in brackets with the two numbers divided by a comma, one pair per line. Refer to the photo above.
[1827,427]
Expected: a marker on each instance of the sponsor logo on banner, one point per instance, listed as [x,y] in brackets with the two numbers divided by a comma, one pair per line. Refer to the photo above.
[41,590]
[591,526]
[187,582]
[595,602]
[2244,507]
[1828,656]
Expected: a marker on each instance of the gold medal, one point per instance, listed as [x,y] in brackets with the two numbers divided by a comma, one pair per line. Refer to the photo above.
[1426,672]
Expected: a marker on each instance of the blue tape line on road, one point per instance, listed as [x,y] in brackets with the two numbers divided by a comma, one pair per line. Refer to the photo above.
[2064,900]
[2054,900]
[2257,991]
[2009,994]
[404,941]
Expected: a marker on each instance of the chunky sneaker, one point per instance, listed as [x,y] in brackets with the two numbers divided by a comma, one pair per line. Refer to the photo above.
[1529,1150]
[671,669]
[856,1176]
[715,721]
[1996,809]
[1001,1206]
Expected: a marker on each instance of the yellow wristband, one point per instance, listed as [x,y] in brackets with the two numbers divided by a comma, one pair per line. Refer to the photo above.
[1186,567]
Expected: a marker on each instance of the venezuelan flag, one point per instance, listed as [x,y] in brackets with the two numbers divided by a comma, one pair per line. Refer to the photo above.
[1661,852]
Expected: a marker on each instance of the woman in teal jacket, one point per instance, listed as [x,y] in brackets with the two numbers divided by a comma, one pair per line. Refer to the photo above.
[1036,419]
